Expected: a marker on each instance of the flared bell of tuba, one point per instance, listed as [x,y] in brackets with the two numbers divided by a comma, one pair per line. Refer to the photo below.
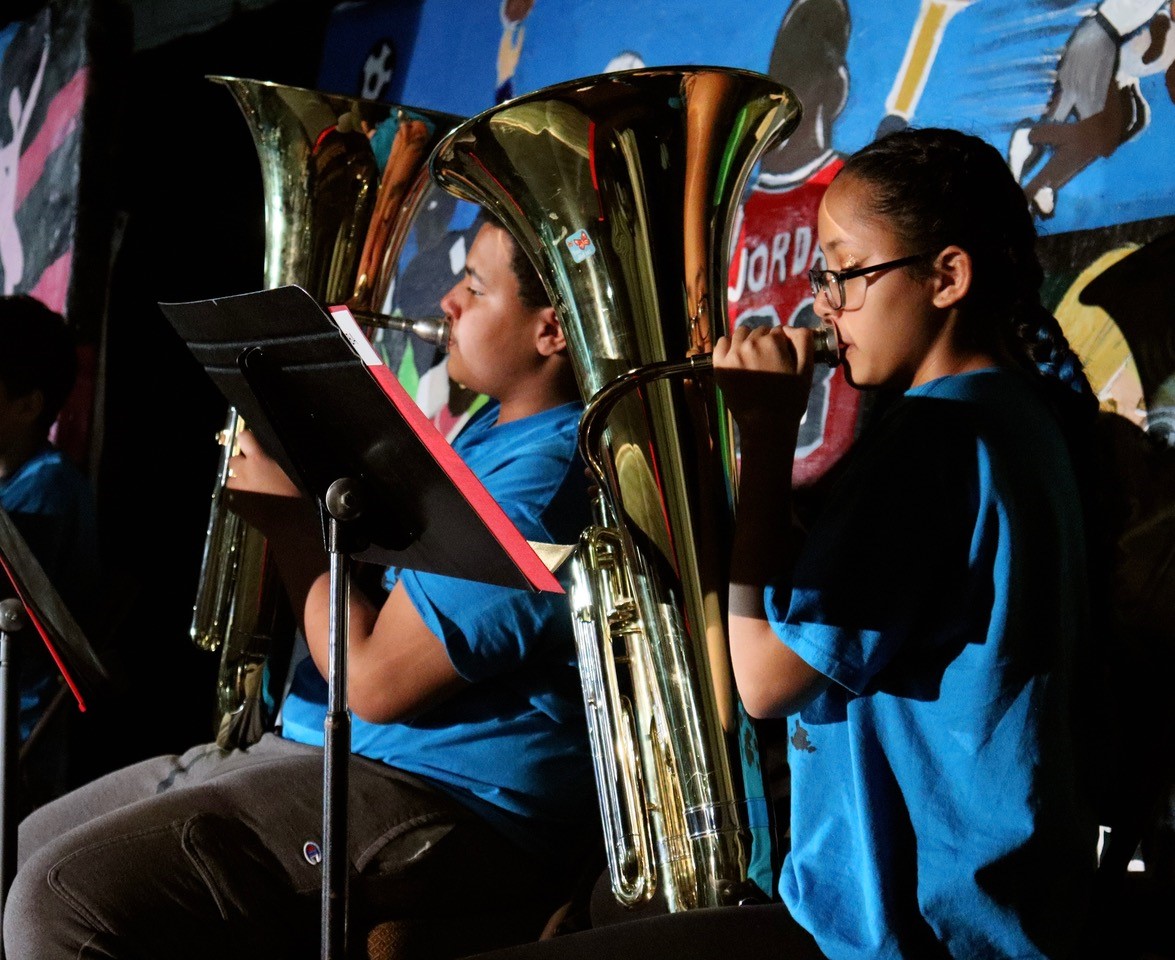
[342,180]
[623,189]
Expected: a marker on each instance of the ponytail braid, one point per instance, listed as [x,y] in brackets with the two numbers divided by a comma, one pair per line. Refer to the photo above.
[1035,332]
[1047,350]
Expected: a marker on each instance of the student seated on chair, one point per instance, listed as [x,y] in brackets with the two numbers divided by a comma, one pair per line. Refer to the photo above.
[51,504]
[927,637]
[470,784]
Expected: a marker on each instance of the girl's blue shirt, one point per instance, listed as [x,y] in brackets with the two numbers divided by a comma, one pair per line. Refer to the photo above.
[935,808]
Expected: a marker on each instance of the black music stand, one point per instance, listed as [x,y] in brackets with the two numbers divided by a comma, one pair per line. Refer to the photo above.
[389,487]
[30,599]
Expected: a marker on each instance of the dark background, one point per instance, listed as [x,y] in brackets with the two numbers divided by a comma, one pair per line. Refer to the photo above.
[181,174]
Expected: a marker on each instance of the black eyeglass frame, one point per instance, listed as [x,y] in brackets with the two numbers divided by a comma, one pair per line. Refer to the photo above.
[818,278]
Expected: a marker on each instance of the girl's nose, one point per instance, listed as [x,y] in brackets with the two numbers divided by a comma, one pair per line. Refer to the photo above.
[822,308]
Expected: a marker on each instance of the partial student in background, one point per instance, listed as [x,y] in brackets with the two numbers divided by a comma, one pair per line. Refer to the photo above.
[51,503]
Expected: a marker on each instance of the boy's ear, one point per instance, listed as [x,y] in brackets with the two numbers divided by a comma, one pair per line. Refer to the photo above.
[952,276]
[550,339]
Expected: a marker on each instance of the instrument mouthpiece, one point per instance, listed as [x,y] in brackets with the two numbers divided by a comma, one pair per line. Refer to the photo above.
[434,330]
[827,345]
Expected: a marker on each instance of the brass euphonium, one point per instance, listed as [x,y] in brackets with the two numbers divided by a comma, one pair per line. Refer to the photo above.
[336,218]
[623,189]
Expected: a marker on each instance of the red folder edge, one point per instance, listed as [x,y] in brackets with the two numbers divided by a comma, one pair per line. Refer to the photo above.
[44,634]
[500,525]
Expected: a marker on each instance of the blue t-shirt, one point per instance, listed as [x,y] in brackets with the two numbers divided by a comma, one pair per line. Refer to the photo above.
[935,802]
[51,503]
[514,744]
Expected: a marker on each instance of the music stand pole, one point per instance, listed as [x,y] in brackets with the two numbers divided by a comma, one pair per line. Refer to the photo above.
[12,620]
[342,505]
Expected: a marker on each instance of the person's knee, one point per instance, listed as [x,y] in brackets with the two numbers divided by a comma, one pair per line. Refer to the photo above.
[38,920]
[138,887]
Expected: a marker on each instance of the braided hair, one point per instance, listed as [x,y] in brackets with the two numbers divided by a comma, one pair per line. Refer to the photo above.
[934,187]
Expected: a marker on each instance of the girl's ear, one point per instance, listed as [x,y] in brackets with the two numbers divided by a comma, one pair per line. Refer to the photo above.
[952,276]
[549,339]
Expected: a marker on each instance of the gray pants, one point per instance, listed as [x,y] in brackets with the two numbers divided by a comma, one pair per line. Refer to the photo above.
[205,855]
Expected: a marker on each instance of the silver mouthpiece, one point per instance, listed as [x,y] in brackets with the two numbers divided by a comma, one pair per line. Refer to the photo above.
[434,330]
[827,345]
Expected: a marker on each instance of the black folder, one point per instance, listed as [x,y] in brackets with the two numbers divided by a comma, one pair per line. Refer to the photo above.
[321,402]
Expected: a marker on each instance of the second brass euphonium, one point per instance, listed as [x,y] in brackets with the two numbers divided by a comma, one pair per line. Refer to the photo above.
[623,189]
[342,179]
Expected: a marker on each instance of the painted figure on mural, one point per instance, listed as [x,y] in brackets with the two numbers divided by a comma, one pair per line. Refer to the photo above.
[925,38]
[45,74]
[513,14]
[776,235]
[1100,342]
[375,76]
[1127,290]
[1096,103]
[20,111]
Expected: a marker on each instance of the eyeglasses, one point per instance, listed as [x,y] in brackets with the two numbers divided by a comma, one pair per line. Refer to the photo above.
[832,282]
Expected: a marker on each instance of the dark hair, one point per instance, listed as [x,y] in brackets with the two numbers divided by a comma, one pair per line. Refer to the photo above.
[935,187]
[37,352]
[531,291]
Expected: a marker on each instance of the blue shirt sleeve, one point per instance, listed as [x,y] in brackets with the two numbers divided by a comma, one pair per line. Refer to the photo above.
[532,470]
[487,630]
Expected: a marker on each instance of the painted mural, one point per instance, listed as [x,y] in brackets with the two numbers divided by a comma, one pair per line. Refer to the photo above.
[1079,96]
[46,100]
